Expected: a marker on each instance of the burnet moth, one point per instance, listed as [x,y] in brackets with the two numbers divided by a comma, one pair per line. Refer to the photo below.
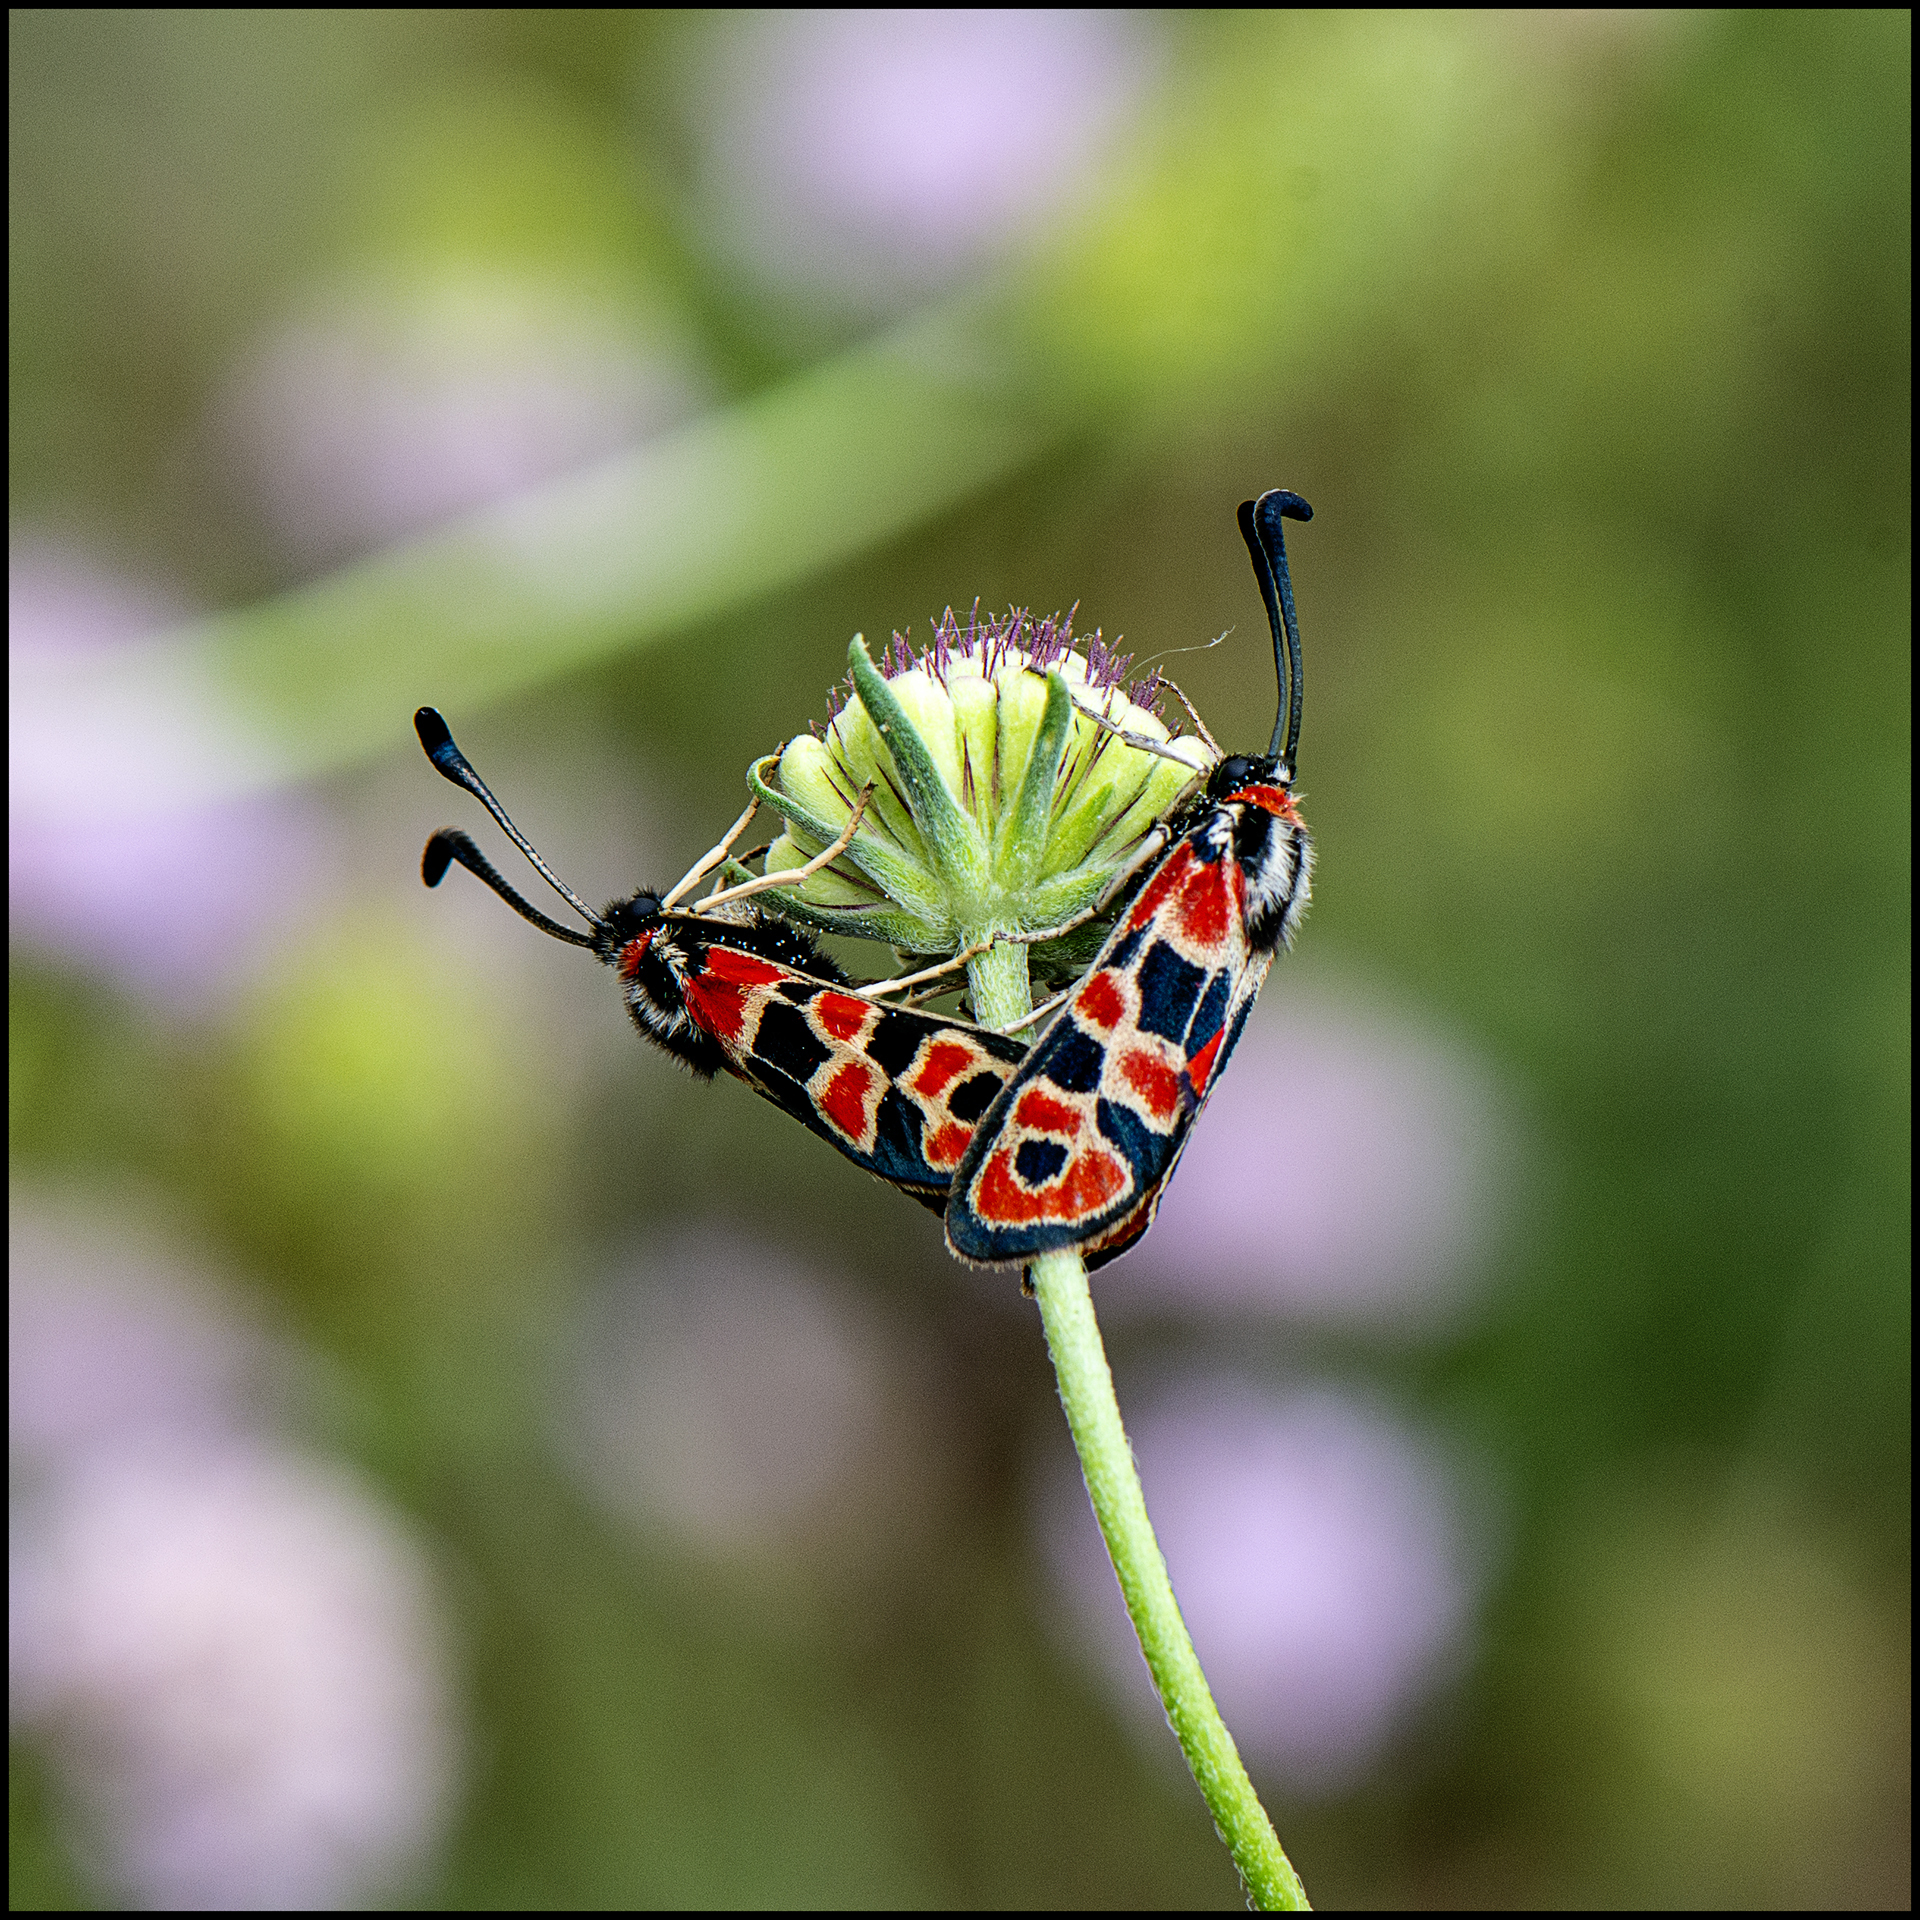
[728,987]
[1079,1144]
[1068,1145]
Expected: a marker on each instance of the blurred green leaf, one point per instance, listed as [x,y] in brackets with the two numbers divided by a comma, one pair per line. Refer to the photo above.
[684,529]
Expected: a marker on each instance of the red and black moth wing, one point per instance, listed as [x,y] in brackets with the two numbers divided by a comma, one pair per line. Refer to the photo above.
[1078,1147]
[897,1091]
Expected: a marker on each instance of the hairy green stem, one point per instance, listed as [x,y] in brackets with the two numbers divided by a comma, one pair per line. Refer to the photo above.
[1000,989]
[1113,1483]
[1059,1283]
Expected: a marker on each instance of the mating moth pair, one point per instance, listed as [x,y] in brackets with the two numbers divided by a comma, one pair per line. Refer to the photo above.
[1024,1148]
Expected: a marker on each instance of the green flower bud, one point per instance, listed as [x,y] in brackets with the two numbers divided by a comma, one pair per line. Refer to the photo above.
[999,805]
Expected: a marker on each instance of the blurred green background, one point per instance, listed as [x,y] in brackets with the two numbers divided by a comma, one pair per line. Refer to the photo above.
[594,375]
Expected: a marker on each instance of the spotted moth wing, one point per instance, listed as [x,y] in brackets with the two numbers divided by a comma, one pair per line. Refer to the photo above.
[897,1091]
[1077,1148]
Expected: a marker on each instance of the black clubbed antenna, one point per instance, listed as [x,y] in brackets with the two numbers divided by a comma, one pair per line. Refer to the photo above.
[1260,527]
[450,844]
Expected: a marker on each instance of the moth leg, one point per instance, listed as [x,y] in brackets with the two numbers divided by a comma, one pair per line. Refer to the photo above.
[874,989]
[1148,849]
[1042,1010]
[1199,726]
[788,875]
[708,861]
[1143,742]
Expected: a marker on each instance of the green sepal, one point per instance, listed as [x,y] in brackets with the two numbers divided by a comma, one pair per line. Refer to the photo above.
[832,888]
[1098,788]
[893,927]
[1021,703]
[952,840]
[892,872]
[976,725]
[1164,798]
[1062,895]
[1021,842]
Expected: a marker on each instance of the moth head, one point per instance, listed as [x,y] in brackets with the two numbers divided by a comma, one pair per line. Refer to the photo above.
[1239,770]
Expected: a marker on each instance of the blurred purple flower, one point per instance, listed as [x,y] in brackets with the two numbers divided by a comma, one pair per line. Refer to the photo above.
[229,1649]
[119,859]
[383,410]
[722,1392]
[875,155]
[1318,1551]
[1348,1167]
[111,1339]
